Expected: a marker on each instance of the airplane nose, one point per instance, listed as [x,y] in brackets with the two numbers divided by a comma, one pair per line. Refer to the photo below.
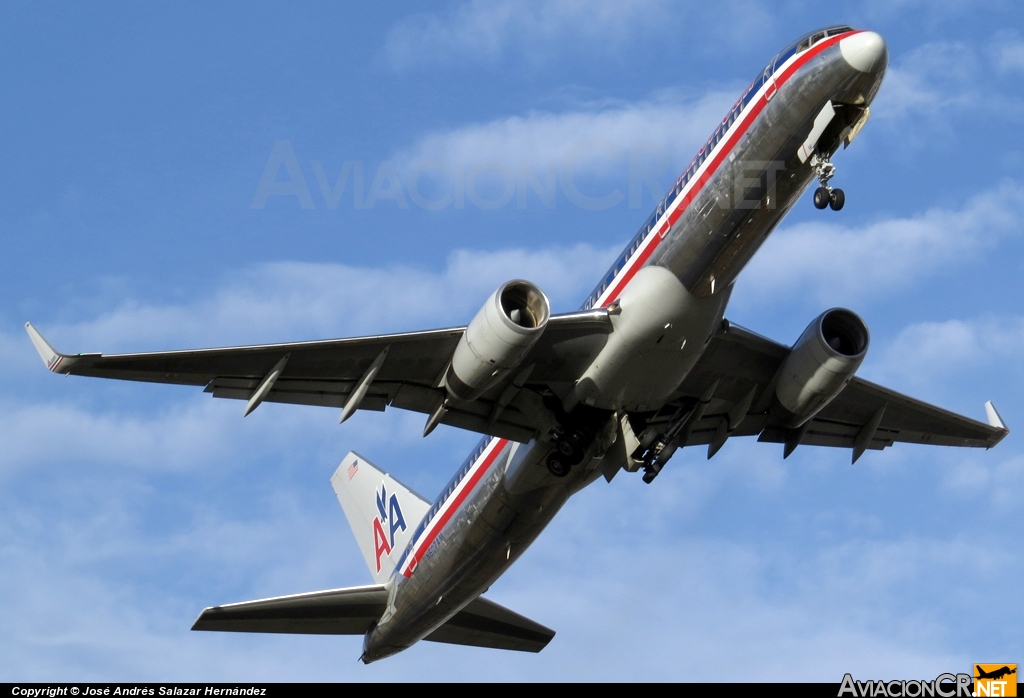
[865,51]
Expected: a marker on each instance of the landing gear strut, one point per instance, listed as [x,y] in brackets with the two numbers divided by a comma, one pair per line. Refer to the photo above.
[825,195]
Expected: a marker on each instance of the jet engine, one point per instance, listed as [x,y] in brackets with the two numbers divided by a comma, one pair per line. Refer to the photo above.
[498,338]
[820,364]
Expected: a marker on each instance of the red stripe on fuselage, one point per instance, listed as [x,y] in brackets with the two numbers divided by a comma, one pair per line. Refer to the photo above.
[439,523]
[698,186]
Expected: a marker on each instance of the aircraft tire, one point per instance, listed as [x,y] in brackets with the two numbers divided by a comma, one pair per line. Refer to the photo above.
[821,197]
[837,200]
[557,465]
[571,447]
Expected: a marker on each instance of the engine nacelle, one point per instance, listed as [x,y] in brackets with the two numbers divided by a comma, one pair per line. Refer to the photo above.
[820,364]
[498,338]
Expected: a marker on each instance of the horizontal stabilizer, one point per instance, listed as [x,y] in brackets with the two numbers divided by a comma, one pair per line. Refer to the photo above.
[355,610]
[350,611]
[484,623]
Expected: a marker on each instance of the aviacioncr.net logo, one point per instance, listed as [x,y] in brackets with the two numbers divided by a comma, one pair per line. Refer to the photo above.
[942,686]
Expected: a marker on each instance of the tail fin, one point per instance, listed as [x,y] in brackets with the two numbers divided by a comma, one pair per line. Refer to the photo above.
[382,512]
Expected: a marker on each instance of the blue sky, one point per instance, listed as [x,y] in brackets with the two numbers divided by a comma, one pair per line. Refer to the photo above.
[132,217]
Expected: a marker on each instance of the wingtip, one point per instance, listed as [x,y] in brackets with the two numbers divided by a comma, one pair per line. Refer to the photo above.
[993,417]
[50,356]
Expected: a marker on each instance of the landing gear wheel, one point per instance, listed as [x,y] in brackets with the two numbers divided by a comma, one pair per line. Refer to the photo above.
[824,195]
[571,447]
[837,200]
[557,466]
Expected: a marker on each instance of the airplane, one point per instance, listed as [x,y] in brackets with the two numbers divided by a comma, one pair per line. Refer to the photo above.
[996,674]
[647,366]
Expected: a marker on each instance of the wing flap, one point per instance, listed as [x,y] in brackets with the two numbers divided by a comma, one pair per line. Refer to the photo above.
[823,432]
[321,393]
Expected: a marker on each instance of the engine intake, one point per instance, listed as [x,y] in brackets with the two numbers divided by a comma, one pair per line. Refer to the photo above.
[498,339]
[821,363]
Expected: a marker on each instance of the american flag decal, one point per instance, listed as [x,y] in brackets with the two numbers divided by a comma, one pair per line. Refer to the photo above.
[353,469]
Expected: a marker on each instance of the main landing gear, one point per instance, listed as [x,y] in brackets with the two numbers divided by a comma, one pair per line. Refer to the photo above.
[570,447]
[825,195]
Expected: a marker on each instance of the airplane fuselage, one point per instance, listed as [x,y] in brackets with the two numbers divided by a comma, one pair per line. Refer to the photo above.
[668,290]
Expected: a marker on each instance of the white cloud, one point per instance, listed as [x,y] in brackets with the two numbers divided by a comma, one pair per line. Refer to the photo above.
[1001,484]
[955,363]
[593,157]
[17,353]
[595,137]
[40,434]
[286,301]
[831,262]
[887,8]
[1009,53]
[904,92]
[485,31]
[943,346]
[930,78]
[643,591]
[1011,57]
[94,590]
[537,31]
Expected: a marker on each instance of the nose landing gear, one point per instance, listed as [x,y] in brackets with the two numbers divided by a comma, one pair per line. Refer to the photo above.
[825,195]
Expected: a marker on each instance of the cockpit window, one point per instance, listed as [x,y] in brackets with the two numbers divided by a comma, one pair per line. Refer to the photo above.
[814,37]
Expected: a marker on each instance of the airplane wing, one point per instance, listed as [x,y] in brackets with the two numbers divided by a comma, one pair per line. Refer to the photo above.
[863,416]
[327,372]
[353,611]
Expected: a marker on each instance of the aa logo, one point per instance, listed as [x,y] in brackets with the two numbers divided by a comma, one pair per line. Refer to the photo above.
[995,679]
[389,517]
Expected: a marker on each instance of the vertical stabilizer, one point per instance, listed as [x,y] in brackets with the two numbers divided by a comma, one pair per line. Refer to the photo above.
[382,512]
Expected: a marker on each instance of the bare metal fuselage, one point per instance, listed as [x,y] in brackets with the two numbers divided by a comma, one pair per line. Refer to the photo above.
[671,286]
